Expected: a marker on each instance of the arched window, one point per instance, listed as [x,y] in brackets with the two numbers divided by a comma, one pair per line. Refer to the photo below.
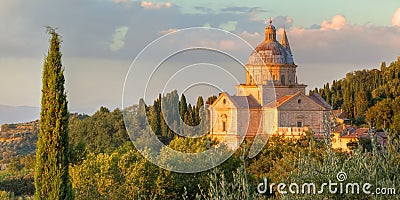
[283,80]
[223,122]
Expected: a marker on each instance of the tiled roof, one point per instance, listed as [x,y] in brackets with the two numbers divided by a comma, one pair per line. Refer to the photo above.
[283,99]
[352,132]
[319,100]
[245,101]
[314,97]
[381,134]
[339,114]
[347,128]
[280,101]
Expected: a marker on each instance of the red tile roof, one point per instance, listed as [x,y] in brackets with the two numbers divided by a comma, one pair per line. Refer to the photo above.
[280,101]
[314,97]
[382,135]
[245,101]
[319,100]
[352,132]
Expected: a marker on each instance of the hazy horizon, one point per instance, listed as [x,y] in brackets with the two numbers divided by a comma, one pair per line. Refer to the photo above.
[98,48]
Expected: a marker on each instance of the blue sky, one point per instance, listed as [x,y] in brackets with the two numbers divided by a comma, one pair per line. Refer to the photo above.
[102,37]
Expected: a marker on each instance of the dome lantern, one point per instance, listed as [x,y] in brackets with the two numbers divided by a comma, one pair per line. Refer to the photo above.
[270,32]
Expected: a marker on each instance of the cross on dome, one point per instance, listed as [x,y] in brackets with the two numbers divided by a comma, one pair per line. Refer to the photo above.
[268,21]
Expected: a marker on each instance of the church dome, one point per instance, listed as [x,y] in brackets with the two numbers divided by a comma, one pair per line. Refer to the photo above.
[271,51]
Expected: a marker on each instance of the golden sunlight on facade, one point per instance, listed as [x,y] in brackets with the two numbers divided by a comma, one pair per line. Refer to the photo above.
[271,101]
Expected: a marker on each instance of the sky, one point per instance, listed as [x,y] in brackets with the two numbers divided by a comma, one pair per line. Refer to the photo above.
[101,39]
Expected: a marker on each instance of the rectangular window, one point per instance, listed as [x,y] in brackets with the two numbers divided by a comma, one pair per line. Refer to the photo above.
[299,124]
[223,126]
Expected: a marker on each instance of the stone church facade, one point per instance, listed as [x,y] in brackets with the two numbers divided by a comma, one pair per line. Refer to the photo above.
[271,101]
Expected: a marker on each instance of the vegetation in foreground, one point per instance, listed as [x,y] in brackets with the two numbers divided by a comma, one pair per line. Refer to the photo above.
[120,171]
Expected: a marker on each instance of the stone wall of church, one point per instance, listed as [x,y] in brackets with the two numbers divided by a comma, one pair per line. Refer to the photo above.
[224,120]
[265,94]
[270,120]
[311,119]
[279,74]
[281,91]
[246,90]
[222,115]
[283,74]
[249,121]
[302,111]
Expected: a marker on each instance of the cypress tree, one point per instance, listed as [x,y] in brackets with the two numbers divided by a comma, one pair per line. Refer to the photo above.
[141,113]
[154,118]
[210,100]
[199,107]
[183,107]
[51,171]
[200,102]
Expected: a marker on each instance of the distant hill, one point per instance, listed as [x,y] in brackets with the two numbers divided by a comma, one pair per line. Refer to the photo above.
[18,140]
[18,114]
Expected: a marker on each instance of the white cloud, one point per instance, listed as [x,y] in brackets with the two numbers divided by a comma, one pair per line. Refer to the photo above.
[351,45]
[337,23]
[246,34]
[225,44]
[152,5]
[122,1]
[207,25]
[228,45]
[254,14]
[362,44]
[228,26]
[282,22]
[119,38]
[396,18]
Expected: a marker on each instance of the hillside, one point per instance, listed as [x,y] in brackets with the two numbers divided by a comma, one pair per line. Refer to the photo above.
[370,97]
[18,140]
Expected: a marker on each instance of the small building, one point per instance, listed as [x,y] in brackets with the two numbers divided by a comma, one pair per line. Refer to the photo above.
[339,116]
[347,137]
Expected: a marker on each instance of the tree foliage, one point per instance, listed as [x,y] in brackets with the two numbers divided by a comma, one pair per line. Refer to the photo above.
[51,172]
[103,132]
[367,96]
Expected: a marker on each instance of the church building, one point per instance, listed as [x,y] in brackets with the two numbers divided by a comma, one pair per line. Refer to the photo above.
[271,101]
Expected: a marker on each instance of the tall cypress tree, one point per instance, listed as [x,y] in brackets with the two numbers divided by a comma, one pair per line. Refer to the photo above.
[51,172]
[183,107]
